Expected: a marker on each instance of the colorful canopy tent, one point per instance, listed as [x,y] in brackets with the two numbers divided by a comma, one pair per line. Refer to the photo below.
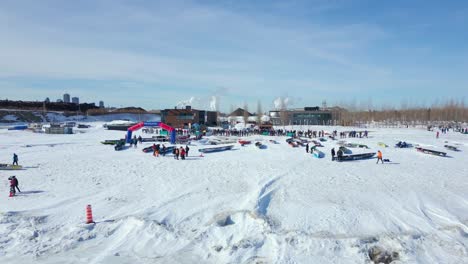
[170,129]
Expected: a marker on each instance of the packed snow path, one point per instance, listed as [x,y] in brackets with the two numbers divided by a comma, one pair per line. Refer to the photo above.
[275,205]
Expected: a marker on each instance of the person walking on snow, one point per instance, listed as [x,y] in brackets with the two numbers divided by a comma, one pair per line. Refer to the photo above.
[379,157]
[307,147]
[15,159]
[16,182]
[13,185]
[333,154]
[437,134]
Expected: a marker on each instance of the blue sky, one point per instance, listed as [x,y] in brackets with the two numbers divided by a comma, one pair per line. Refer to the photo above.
[156,54]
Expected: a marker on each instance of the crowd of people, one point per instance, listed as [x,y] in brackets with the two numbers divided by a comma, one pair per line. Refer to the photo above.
[294,133]
[181,152]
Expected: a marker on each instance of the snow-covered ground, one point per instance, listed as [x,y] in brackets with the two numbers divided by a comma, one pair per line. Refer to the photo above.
[275,205]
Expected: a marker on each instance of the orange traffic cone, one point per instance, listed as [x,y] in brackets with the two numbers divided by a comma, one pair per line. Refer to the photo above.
[89,215]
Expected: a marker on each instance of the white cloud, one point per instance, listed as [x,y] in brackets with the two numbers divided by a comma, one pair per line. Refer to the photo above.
[184,44]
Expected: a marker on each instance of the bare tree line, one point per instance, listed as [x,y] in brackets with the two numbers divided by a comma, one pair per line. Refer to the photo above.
[451,111]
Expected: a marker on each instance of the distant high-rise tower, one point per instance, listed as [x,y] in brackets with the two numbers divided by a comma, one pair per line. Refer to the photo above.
[66,98]
[47,100]
[75,100]
[101,104]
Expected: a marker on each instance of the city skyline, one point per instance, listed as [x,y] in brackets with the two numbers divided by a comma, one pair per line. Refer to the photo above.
[161,54]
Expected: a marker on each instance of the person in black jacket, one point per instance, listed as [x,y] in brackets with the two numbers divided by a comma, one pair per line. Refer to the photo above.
[333,154]
[15,159]
[163,150]
[339,154]
[186,150]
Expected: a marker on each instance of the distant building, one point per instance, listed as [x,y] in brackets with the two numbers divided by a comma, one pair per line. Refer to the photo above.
[302,116]
[59,101]
[101,104]
[47,100]
[240,112]
[75,100]
[187,117]
[66,98]
[239,115]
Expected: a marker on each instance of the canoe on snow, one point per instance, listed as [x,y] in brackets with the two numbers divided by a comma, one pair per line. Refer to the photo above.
[317,143]
[111,141]
[119,146]
[452,147]
[345,150]
[148,149]
[355,157]
[10,167]
[292,142]
[341,143]
[215,149]
[22,127]
[244,142]
[430,151]
[166,150]
[317,153]
[322,139]
[273,141]
[381,144]
[260,145]
[355,145]
[151,139]
[403,145]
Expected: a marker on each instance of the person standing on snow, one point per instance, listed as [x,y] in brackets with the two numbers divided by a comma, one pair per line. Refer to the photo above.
[307,147]
[186,150]
[437,134]
[182,153]
[163,150]
[339,154]
[379,157]
[156,150]
[176,155]
[15,159]
[333,154]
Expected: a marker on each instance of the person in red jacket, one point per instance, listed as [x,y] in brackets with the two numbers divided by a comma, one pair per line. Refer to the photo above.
[13,185]
[182,153]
